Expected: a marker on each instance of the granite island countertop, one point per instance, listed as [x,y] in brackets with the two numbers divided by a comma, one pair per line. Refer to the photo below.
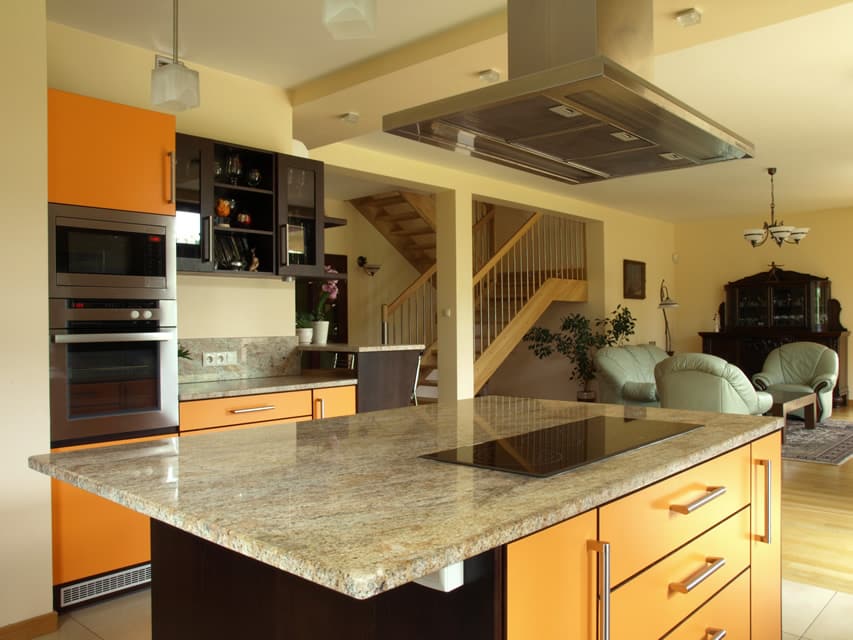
[360,348]
[347,503]
[249,386]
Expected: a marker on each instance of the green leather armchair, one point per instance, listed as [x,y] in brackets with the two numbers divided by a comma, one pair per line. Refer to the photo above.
[626,375]
[808,367]
[703,382]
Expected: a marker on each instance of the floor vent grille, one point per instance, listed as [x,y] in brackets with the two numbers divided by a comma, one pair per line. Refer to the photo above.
[119,581]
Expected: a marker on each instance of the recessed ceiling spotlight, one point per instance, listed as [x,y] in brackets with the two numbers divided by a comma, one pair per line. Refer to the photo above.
[350,117]
[489,75]
[688,17]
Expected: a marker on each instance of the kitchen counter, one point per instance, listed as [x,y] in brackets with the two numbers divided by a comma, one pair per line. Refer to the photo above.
[346,503]
[249,386]
[360,348]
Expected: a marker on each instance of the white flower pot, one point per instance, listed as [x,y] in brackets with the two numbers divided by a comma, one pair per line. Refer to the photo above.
[321,331]
[304,334]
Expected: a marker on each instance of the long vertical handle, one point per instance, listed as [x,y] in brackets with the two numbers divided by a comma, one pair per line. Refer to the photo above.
[322,412]
[207,239]
[173,187]
[603,551]
[283,241]
[768,480]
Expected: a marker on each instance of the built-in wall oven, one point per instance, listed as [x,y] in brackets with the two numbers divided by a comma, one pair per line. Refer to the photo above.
[113,369]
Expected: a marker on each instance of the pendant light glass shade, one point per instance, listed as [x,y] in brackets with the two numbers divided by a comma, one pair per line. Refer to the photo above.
[174,87]
[349,19]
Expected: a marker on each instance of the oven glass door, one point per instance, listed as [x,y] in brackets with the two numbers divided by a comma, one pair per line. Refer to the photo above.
[110,385]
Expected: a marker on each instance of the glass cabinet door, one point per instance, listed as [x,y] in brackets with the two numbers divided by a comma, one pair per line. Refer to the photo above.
[789,306]
[751,306]
[193,220]
[300,216]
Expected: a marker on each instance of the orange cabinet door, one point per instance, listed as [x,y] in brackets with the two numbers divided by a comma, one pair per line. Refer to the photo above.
[551,583]
[92,535]
[331,402]
[107,155]
[766,542]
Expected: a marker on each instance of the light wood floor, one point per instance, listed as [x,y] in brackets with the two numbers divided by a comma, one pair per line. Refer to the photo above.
[817,521]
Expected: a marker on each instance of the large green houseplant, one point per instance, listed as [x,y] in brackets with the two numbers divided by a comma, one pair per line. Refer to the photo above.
[578,339]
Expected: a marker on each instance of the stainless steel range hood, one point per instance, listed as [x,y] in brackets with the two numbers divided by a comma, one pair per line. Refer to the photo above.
[570,112]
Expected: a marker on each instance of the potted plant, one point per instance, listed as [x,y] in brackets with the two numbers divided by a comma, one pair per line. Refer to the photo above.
[578,339]
[323,312]
[304,331]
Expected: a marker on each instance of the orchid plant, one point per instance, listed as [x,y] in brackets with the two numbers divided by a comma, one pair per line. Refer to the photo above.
[329,295]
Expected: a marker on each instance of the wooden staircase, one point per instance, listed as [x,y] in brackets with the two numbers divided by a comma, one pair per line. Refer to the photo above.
[406,220]
[544,261]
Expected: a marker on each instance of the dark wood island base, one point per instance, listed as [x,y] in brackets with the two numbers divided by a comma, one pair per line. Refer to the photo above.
[201,590]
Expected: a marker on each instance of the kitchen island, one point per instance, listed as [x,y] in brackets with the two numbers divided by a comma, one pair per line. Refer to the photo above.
[318,530]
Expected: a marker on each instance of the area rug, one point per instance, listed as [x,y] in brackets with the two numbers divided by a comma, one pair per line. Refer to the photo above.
[830,442]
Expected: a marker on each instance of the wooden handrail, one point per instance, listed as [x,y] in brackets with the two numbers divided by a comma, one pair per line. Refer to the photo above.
[483,221]
[417,284]
[506,247]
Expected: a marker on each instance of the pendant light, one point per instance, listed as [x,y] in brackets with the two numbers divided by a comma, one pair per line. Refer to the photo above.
[778,231]
[349,19]
[174,87]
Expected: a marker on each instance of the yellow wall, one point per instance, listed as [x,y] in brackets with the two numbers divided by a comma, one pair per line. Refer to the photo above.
[233,109]
[24,421]
[713,252]
[366,294]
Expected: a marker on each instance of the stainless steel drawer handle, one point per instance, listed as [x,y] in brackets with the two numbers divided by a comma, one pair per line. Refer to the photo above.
[768,480]
[268,407]
[603,550]
[713,493]
[699,577]
[715,634]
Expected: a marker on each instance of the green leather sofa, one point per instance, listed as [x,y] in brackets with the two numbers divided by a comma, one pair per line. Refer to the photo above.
[626,375]
[703,382]
[807,367]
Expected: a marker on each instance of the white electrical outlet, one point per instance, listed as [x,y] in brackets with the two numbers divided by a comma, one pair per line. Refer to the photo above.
[218,358]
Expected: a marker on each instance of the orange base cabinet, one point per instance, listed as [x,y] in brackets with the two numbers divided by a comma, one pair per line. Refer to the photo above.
[724,612]
[92,535]
[331,402]
[108,155]
[254,410]
[551,583]
[766,541]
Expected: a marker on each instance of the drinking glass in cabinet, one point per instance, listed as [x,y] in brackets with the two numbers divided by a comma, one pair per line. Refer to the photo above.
[233,167]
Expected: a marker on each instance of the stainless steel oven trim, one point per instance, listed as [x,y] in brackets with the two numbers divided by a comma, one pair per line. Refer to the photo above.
[110,286]
[65,430]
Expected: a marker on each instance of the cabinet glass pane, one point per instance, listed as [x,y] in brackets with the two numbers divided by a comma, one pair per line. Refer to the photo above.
[188,202]
[752,307]
[301,217]
[789,306]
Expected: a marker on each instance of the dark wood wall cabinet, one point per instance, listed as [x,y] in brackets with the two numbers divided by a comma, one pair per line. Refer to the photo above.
[247,212]
[772,308]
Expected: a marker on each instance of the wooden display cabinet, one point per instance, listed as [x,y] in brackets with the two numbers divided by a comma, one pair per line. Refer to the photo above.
[775,307]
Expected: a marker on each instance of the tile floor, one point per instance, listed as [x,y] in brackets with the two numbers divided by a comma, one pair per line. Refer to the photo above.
[808,613]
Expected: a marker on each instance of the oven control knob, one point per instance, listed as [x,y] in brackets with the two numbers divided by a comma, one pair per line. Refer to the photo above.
[146,315]
[134,314]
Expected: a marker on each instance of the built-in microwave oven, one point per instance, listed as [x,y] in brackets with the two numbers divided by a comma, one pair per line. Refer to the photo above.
[104,253]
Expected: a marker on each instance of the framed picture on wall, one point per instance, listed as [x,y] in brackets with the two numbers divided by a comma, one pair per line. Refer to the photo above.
[634,279]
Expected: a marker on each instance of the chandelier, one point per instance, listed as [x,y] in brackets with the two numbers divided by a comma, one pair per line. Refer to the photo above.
[778,231]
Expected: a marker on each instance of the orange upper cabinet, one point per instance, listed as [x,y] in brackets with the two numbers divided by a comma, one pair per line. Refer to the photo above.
[107,155]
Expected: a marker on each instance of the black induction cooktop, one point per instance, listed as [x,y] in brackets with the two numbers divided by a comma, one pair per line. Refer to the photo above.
[556,449]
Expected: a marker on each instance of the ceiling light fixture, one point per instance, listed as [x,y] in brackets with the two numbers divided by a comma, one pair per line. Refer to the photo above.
[778,231]
[688,17]
[173,86]
[349,19]
[350,117]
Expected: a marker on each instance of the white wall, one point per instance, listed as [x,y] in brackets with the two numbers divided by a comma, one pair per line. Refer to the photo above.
[25,565]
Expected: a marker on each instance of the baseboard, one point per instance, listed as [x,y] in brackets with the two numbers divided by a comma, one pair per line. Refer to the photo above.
[32,628]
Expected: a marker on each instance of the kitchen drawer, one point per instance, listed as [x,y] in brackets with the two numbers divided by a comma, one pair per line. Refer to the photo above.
[266,408]
[727,611]
[643,527]
[647,606]
[237,427]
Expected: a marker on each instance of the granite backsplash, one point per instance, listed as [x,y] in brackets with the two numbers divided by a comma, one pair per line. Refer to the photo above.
[256,358]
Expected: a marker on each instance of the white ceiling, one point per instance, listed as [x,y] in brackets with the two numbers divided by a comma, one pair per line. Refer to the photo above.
[787,87]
